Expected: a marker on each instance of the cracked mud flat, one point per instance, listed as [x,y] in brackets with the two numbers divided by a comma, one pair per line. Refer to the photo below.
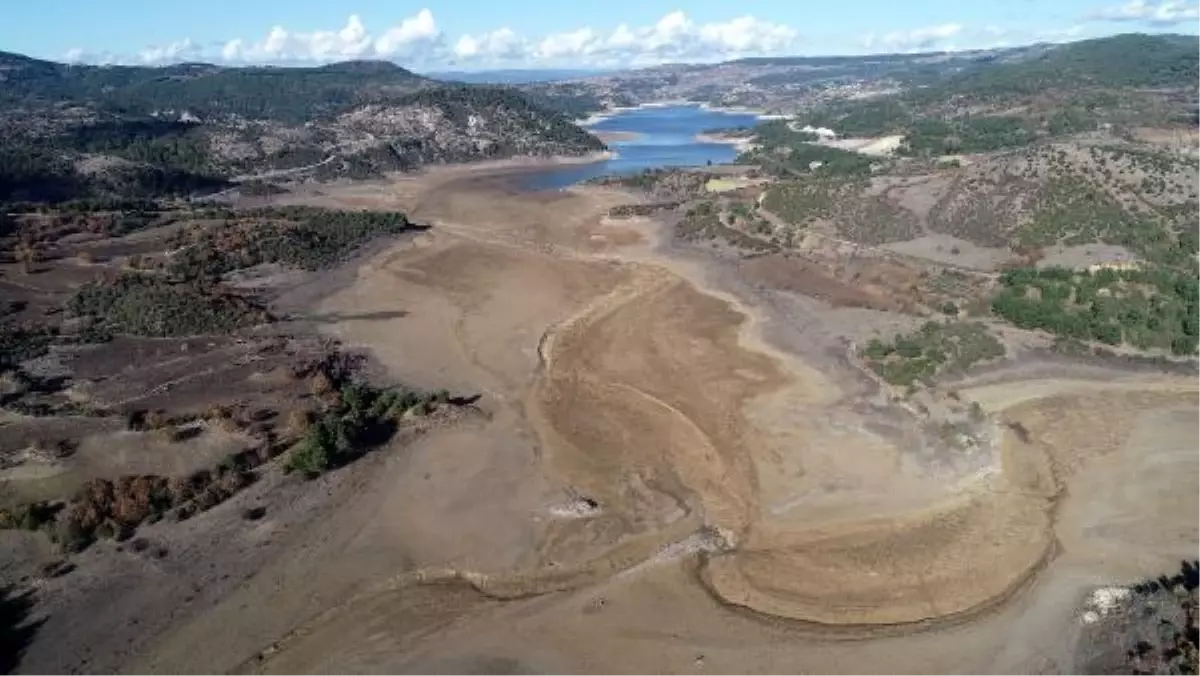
[756,510]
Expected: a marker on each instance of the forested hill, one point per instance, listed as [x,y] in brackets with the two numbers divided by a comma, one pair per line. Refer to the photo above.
[71,131]
[286,94]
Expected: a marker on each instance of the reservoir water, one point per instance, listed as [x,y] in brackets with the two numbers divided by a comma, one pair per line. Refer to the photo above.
[666,137]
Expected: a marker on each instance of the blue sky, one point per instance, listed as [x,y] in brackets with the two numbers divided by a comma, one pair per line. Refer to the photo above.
[469,34]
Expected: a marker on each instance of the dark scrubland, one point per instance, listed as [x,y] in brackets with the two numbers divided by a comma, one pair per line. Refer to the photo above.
[157,343]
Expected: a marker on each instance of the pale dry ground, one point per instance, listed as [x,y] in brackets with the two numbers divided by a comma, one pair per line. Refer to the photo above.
[105,449]
[737,484]
[951,250]
[884,145]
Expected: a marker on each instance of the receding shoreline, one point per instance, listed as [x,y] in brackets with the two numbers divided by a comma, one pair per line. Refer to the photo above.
[617,136]
[524,163]
[596,118]
[740,143]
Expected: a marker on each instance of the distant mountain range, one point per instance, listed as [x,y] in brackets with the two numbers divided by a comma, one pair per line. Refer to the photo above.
[514,76]
[790,84]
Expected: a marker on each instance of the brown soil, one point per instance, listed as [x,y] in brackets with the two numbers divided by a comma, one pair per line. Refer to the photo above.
[751,507]
[638,396]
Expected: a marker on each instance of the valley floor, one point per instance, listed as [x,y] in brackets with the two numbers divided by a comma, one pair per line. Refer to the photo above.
[677,468]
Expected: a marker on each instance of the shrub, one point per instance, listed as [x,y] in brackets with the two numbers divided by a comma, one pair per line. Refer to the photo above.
[30,516]
[315,453]
[934,349]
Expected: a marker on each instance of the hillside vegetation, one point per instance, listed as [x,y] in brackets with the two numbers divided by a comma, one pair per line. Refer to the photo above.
[1011,102]
[1141,198]
[1152,308]
[284,94]
[70,132]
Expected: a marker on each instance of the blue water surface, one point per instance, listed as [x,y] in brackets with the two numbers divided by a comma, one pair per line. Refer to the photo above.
[667,138]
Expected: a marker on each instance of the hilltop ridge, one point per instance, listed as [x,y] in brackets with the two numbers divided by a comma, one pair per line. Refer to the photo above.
[196,126]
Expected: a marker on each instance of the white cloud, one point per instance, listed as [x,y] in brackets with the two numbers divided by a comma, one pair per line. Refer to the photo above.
[412,34]
[916,40]
[674,37]
[1164,13]
[182,50]
[499,44]
[411,37]
[418,41]
[582,42]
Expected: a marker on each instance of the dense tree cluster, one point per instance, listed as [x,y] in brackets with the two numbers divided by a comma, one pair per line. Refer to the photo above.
[149,305]
[164,143]
[36,173]
[1154,307]
[287,94]
[967,134]
[19,342]
[32,174]
[304,237]
[104,508]
[784,152]
[361,418]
